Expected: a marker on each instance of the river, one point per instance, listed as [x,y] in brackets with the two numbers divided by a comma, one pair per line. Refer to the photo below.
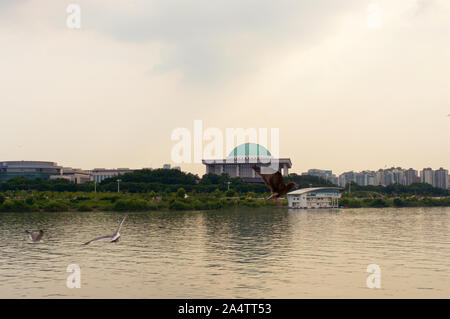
[242,253]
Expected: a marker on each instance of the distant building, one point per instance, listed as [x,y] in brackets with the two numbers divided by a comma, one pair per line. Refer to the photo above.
[380,177]
[241,159]
[427,176]
[74,175]
[441,178]
[396,175]
[316,197]
[28,169]
[346,178]
[367,178]
[324,174]
[372,178]
[99,174]
[168,166]
[411,176]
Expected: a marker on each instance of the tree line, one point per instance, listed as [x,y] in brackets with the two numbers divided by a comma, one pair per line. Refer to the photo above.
[170,180]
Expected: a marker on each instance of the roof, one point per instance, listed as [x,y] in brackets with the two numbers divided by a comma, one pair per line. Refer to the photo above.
[249,149]
[29,164]
[311,189]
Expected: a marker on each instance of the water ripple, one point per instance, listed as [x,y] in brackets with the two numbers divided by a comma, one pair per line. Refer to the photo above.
[258,253]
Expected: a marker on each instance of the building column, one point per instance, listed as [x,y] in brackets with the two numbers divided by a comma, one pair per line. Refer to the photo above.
[285,170]
[237,170]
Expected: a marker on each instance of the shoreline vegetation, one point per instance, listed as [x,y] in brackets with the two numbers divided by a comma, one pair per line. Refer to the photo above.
[172,190]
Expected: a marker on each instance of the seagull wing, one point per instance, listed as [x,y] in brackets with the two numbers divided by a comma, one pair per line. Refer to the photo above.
[120,225]
[30,235]
[98,239]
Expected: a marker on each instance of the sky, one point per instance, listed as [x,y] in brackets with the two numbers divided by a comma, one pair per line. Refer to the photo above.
[345,93]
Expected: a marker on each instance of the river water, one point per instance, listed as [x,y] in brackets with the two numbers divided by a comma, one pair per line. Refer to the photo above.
[243,253]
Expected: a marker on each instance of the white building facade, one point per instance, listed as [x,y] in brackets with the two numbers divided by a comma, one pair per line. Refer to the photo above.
[74,175]
[315,197]
[99,174]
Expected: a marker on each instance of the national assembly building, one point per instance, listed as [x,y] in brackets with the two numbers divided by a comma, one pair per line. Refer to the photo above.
[241,159]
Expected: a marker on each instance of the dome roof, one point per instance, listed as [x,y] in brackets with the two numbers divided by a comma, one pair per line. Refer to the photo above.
[249,149]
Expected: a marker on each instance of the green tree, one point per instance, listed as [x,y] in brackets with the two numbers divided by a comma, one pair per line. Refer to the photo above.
[181,193]
[230,193]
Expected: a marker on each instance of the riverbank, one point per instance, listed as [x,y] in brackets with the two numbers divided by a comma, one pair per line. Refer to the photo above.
[411,201]
[68,201]
[22,201]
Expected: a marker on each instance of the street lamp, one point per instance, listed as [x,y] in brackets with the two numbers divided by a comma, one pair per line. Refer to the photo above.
[118,185]
[228,185]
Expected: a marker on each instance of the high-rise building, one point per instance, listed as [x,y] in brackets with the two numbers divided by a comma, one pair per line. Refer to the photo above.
[441,178]
[396,175]
[380,177]
[388,177]
[346,178]
[411,176]
[324,174]
[427,176]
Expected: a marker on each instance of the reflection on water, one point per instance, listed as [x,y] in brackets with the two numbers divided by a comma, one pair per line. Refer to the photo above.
[245,253]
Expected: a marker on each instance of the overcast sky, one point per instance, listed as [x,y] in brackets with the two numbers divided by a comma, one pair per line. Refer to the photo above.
[344,94]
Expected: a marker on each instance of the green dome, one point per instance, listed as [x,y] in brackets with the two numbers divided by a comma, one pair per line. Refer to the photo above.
[249,149]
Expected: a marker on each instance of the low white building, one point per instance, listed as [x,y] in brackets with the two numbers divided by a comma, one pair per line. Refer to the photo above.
[315,197]
[99,174]
[74,175]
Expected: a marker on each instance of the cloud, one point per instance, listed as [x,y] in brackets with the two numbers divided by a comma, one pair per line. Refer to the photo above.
[212,41]
[138,69]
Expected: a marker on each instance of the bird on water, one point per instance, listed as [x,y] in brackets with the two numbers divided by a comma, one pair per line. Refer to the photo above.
[35,238]
[114,237]
[275,183]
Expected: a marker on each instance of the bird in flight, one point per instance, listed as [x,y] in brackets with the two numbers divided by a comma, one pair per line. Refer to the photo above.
[114,237]
[275,182]
[35,238]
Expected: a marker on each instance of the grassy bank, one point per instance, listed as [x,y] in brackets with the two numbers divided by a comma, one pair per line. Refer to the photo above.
[165,189]
[34,201]
[107,201]
[412,201]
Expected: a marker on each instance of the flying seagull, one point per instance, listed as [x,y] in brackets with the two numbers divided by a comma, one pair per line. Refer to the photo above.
[114,237]
[35,237]
[275,182]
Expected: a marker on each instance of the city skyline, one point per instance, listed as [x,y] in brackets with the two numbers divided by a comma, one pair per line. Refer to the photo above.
[345,93]
[438,178]
[202,169]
